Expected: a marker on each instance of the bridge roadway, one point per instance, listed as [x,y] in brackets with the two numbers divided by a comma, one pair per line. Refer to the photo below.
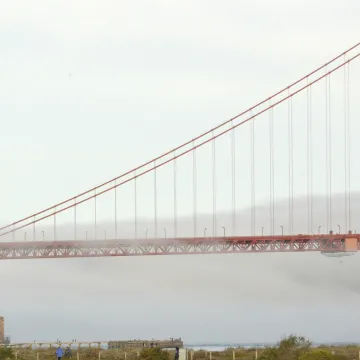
[331,244]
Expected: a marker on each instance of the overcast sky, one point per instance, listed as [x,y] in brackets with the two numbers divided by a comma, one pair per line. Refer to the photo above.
[91,89]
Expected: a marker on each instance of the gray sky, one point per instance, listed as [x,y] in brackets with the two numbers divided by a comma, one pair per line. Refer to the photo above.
[90,90]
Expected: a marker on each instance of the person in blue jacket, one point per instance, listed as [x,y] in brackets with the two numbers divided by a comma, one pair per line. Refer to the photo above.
[59,353]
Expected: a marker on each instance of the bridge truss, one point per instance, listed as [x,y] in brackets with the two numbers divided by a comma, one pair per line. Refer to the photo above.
[180,246]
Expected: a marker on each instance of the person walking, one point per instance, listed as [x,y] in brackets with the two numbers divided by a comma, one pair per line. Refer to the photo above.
[68,352]
[59,353]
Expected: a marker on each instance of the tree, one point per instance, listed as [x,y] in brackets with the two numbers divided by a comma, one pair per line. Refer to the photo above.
[293,347]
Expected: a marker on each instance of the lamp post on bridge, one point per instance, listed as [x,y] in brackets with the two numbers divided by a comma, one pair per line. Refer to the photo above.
[146,232]
[43,235]
[205,232]
[282,230]
[25,236]
[262,231]
[319,227]
[339,229]
[165,233]
[224,230]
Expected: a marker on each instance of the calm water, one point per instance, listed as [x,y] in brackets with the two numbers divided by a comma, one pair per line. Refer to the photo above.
[222,347]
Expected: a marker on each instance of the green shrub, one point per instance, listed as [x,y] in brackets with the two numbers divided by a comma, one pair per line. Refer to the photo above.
[317,355]
[154,354]
[6,353]
[270,353]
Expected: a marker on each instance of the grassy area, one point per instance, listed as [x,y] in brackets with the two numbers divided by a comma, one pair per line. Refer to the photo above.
[85,353]
[349,352]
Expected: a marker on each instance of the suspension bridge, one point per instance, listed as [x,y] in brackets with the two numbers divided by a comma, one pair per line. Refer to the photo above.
[294,153]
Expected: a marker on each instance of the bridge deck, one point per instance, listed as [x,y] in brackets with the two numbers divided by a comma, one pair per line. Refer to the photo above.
[333,243]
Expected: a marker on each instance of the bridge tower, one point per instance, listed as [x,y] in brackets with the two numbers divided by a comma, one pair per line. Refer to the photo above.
[2,330]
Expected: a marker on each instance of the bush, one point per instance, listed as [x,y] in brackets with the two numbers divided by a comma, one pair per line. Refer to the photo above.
[154,354]
[290,348]
[6,353]
[270,354]
[298,348]
[317,355]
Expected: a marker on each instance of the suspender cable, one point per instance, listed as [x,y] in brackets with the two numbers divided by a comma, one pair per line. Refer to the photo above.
[155,204]
[346,202]
[175,197]
[233,178]
[349,146]
[115,210]
[252,165]
[75,220]
[135,206]
[55,237]
[194,191]
[271,163]
[95,215]
[309,162]
[291,166]
[214,185]
[328,156]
